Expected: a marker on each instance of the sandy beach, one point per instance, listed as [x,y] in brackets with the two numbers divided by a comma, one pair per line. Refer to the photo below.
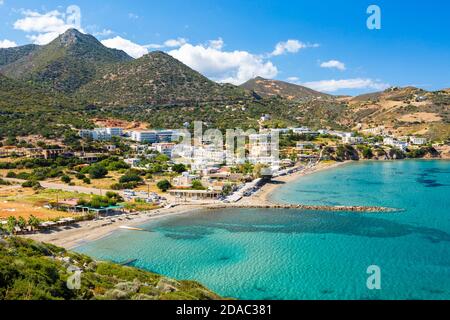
[263,195]
[92,230]
[86,231]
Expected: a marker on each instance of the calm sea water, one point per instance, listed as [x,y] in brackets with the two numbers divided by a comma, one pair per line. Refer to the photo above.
[286,254]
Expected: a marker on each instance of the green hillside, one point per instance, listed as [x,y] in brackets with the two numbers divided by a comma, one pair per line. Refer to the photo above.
[66,63]
[9,55]
[35,271]
[290,91]
[156,79]
[26,109]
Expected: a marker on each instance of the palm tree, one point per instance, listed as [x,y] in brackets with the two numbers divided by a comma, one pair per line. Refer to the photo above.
[33,222]
[11,225]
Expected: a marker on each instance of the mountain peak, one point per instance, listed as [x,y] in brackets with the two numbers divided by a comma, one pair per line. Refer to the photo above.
[259,78]
[73,36]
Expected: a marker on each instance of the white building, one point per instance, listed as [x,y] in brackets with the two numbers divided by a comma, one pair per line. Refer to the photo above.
[304,130]
[390,141]
[133,162]
[306,145]
[185,180]
[375,131]
[341,134]
[164,148]
[114,131]
[418,141]
[101,134]
[352,140]
[263,150]
[144,136]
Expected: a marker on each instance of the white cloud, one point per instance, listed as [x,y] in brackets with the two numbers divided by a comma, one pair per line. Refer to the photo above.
[224,66]
[291,46]
[174,43]
[7,43]
[133,16]
[335,85]
[133,49]
[171,43]
[216,44]
[1,2]
[45,26]
[333,64]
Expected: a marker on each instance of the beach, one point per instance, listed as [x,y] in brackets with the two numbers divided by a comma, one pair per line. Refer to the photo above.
[92,230]
[263,195]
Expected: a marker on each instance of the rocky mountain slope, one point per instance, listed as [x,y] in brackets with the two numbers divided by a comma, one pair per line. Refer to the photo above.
[290,91]
[156,79]
[10,55]
[66,63]
[402,111]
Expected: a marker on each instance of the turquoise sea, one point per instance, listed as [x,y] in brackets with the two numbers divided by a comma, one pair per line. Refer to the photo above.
[287,254]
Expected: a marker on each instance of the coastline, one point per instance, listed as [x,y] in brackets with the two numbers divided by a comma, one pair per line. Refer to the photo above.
[87,231]
[263,195]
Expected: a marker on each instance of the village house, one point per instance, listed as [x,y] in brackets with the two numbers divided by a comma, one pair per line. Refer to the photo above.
[352,140]
[306,145]
[164,148]
[418,141]
[185,180]
[133,162]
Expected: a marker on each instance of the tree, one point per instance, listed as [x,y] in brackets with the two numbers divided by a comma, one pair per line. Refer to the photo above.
[197,185]
[11,224]
[33,222]
[97,171]
[227,190]
[130,177]
[179,168]
[367,153]
[21,223]
[66,179]
[164,185]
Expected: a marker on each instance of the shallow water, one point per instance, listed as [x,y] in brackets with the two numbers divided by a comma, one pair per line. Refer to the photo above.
[291,254]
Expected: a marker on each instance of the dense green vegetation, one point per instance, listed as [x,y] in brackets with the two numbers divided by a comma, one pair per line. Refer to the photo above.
[35,271]
[9,55]
[66,63]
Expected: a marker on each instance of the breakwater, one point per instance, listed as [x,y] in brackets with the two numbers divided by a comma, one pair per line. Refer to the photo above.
[362,209]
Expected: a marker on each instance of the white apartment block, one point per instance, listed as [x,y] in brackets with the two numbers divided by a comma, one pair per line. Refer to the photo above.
[144,136]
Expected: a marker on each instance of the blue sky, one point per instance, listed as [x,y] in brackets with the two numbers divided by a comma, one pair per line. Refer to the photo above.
[322,44]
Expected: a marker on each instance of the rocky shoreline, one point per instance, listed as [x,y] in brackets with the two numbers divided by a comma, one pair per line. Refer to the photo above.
[362,209]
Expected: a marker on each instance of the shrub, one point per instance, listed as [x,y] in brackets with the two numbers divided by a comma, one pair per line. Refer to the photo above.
[179,168]
[164,185]
[97,171]
[80,176]
[11,174]
[197,185]
[66,179]
[130,177]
